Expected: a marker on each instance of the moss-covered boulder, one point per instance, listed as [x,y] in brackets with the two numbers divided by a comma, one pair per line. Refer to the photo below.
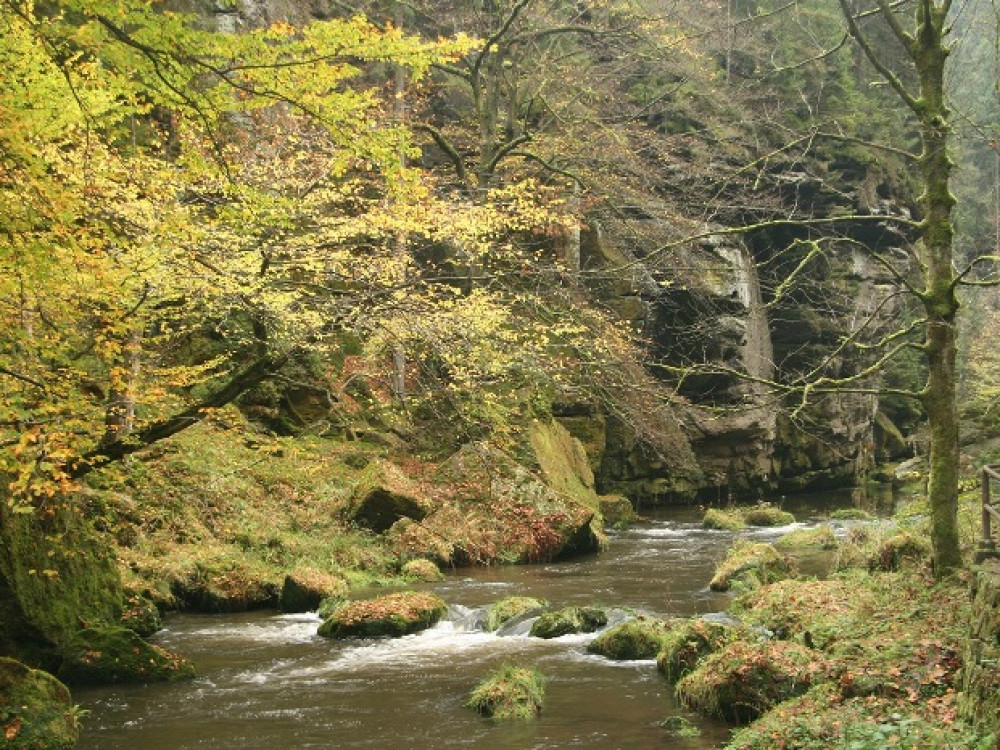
[98,656]
[569,620]
[36,711]
[680,728]
[226,585]
[722,520]
[616,510]
[686,643]
[55,572]
[510,607]
[743,680]
[748,565]
[423,570]
[818,538]
[509,693]
[304,589]
[641,638]
[851,514]
[766,515]
[391,615]
[383,496]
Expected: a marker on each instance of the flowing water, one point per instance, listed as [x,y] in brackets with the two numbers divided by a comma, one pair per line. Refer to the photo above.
[268,682]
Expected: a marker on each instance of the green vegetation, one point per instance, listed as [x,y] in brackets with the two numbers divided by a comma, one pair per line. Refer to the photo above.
[36,712]
[687,642]
[641,638]
[392,615]
[569,620]
[748,565]
[819,537]
[510,692]
[721,520]
[738,518]
[509,608]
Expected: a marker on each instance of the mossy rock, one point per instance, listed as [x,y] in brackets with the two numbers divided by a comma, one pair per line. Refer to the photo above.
[423,570]
[226,586]
[510,607]
[722,520]
[765,515]
[383,496]
[304,589]
[55,571]
[141,616]
[900,549]
[100,656]
[641,638]
[509,693]
[616,510]
[392,615]
[36,710]
[851,514]
[688,642]
[744,680]
[569,620]
[749,565]
[821,537]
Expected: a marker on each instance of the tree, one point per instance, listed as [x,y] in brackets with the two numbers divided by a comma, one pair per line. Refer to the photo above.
[927,51]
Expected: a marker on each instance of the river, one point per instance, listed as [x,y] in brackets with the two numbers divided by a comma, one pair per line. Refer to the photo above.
[268,682]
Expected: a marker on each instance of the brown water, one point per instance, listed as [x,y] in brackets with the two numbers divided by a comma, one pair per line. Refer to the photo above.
[268,682]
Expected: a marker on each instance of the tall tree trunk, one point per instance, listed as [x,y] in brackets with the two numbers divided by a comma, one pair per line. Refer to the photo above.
[940,302]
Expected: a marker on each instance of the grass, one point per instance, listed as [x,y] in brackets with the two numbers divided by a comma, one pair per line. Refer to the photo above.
[510,692]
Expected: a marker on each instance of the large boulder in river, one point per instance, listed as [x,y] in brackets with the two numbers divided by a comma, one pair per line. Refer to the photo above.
[391,615]
[383,496]
[305,587]
[510,607]
[36,711]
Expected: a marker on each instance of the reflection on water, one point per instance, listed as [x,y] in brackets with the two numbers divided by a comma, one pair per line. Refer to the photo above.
[268,681]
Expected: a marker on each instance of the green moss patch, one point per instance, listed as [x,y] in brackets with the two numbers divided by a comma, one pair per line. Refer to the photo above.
[114,654]
[851,514]
[748,565]
[304,589]
[765,515]
[641,638]
[391,615]
[744,679]
[36,712]
[722,520]
[510,607]
[509,693]
[569,620]
[819,538]
[686,643]
[423,570]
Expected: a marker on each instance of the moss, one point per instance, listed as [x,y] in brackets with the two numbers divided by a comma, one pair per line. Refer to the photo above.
[36,711]
[569,620]
[616,510]
[509,693]
[423,570]
[115,654]
[686,643]
[304,589]
[748,565]
[141,616]
[851,514]
[510,607]
[765,515]
[57,572]
[641,638]
[900,549]
[391,615]
[721,520]
[744,679]
[820,537]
